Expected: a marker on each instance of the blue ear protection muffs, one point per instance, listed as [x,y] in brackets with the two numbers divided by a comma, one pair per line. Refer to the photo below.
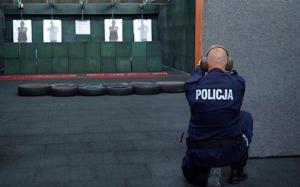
[203,63]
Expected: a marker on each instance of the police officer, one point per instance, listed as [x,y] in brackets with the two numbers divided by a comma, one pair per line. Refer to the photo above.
[219,132]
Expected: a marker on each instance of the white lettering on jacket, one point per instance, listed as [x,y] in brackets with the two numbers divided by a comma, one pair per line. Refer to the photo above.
[214,94]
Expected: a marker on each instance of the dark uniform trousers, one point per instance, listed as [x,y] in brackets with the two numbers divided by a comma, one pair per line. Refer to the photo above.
[197,162]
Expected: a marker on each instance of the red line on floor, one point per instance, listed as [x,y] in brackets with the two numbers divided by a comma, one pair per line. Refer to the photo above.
[127,74]
[12,77]
[90,75]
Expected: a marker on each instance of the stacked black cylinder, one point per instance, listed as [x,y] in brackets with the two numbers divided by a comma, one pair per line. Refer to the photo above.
[115,88]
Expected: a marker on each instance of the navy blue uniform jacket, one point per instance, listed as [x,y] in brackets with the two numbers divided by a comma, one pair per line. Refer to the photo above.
[215,100]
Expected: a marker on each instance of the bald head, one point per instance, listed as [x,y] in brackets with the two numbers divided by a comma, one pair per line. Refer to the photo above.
[217,58]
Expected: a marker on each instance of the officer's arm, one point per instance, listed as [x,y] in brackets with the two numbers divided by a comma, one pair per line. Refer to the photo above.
[196,75]
[240,80]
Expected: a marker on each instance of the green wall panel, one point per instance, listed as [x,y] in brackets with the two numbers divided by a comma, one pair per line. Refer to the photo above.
[44,50]
[108,49]
[177,62]
[34,1]
[60,65]
[69,38]
[97,38]
[128,31]
[28,50]
[127,26]
[92,49]
[44,9]
[153,48]
[139,49]
[83,38]
[29,10]
[10,50]
[2,16]
[6,1]
[2,36]
[128,37]
[92,65]
[12,66]
[123,64]
[68,27]
[176,30]
[154,30]
[108,65]
[28,66]
[99,1]
[37,31]
[165,59]
[171,60]
[190,49]
[154,64]
[97,31]
[60,50]
[76,50]
[160,1]
[131,1]
[190,33]
[139,64]
[68,31]
[123,49]
[76,65]
[1,59]
[9,31]
[94,9]
[74,9]
[45,66]
[66,1]
[61,8]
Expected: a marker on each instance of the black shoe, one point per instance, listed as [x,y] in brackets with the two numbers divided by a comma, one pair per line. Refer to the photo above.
[237,176]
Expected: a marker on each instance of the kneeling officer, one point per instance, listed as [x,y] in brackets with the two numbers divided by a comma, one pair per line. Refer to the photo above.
[219,132]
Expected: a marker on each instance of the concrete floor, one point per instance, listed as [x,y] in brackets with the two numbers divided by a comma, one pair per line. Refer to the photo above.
[107,140]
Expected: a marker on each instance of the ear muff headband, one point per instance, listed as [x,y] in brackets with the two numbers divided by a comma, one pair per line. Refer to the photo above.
[229,64]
